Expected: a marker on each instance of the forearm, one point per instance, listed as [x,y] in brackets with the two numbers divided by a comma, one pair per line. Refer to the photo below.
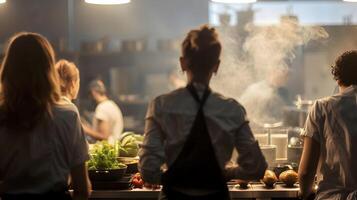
[247,174]
[306,181]
[151,177]
[94,134]
[308,165]
[80,196]
[151,159]
[251,163]
[81,184]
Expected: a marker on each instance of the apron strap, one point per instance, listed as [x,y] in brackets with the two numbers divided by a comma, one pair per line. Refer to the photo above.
[194,94]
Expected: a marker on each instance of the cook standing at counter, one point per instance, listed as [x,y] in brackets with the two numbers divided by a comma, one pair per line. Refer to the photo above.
[194,130]
[108,121]
[330,138]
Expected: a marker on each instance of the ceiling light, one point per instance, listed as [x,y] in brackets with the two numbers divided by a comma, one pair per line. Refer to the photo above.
[234,1]
[107,2]
[2,1]
[350,0]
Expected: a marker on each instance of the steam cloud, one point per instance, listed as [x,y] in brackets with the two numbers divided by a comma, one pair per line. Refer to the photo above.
[253,69]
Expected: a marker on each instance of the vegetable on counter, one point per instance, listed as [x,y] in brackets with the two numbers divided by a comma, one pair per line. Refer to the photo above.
[269,179]
[289,177]
[137,181]
[129,144]
[103,156]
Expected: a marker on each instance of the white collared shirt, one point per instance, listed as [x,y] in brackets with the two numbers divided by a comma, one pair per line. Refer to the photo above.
[332,122]
[169,120]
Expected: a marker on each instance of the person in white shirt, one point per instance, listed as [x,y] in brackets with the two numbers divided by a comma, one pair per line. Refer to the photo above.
[108,121]
[330,138]
[42,142]
[193,131]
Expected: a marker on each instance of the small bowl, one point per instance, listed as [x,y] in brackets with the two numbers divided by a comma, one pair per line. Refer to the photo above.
[243,186]
[132,164]
[107,175]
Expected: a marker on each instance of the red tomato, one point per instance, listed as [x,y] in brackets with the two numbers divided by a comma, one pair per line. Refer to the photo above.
[137,175]
[138,183]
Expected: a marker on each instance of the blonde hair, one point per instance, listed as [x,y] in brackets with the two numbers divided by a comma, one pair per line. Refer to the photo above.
[68,74]
[29,82]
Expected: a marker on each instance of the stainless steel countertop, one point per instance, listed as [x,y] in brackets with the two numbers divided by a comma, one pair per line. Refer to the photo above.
[253,191]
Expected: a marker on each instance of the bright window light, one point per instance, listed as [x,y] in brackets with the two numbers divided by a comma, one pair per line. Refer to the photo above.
[234,1]
[107,2]
[2,1]
[350,0]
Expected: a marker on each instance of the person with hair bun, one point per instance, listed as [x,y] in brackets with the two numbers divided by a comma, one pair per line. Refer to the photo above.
[330,138]
[194,130]
[69,79]
[108,123]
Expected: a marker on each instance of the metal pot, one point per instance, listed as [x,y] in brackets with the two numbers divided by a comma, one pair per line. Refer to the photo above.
[92,47]
[294,117]
[134,45]
[168,45]
[294,154]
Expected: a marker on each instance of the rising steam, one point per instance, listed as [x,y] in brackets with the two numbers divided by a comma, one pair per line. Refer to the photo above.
[253,68]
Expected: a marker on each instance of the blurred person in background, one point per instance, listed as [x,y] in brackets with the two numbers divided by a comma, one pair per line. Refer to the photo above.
[330,138]
[69,80]
[193,130]
[108,123]
[42,142]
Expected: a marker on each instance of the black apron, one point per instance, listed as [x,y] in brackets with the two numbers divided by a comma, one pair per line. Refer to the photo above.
[196,167]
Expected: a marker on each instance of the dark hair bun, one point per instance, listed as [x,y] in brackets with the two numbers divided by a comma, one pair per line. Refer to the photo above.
[202,49]
[203,38]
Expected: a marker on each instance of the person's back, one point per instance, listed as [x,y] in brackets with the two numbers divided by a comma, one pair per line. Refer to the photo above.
[176,111]
[194,130]
[338,141]
[39,161]
[108,123]
[330,143]
[42,142]
[109,112]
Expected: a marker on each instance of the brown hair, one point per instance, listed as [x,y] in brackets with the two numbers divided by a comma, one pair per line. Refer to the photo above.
[345,68]
[68,73]
[29,82]
[202,49]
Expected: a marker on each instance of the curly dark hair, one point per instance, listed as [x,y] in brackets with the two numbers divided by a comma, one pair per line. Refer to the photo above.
[345,68]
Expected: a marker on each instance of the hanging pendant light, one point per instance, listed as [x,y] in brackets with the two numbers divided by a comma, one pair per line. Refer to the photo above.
[107,2]
[2,1]
[234,1]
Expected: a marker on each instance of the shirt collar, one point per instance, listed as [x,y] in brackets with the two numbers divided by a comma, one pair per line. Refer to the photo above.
[199,86]
[349,89]
[66,99]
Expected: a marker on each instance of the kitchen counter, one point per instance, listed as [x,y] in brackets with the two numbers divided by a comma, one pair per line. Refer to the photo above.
[254,191]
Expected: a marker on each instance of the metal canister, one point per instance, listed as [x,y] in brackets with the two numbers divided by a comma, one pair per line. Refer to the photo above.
[269,152]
